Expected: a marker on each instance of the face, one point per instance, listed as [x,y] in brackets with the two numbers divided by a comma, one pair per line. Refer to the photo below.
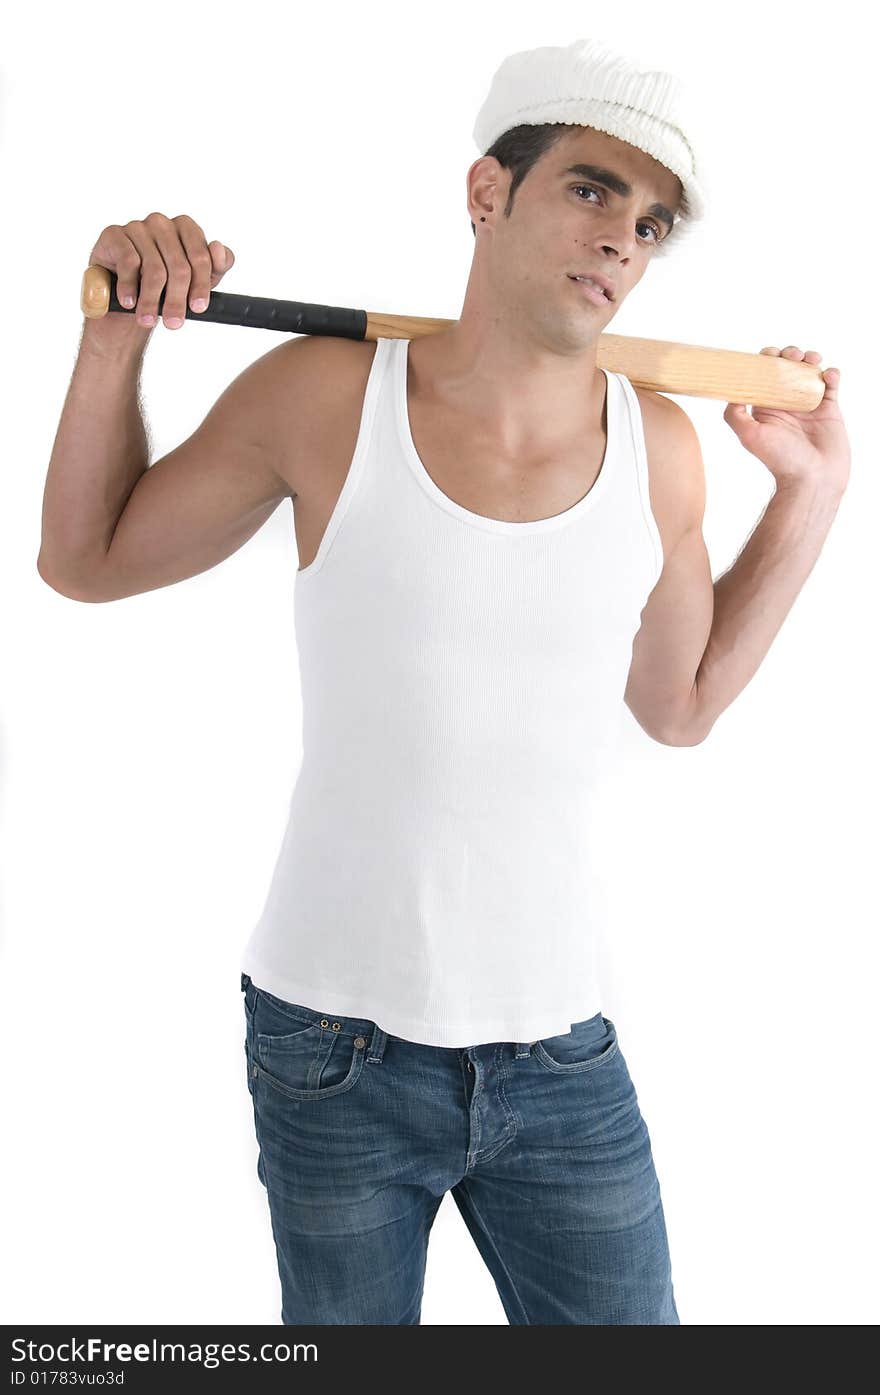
[563,224]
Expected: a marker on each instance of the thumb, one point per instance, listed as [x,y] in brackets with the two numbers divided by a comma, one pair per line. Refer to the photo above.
[222,258]
[736,414]
[749,432]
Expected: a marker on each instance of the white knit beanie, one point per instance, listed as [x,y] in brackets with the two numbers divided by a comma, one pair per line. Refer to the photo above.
[587,84]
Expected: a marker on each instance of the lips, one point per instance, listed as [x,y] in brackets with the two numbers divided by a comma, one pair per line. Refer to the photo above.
[601,281]
[590,293]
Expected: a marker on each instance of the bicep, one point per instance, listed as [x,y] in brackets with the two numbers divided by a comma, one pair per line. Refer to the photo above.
[203,500]
[677,617]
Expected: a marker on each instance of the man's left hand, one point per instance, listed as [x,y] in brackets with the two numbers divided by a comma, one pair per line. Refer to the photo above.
[798,448]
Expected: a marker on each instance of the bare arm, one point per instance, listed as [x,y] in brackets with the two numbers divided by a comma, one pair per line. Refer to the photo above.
[755,595]
[113,526]
[701,642]
[677,617]
[100,452]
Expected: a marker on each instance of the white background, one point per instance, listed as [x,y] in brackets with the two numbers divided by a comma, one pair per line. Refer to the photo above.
[149,745]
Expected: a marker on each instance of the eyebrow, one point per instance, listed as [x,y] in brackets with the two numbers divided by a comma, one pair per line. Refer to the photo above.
[618,186]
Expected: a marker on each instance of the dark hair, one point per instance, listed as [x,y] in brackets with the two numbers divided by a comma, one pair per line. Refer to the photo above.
[522,147]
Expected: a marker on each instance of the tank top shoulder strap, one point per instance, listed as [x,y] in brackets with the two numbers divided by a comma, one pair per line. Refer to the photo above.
[631,423]
[370,408]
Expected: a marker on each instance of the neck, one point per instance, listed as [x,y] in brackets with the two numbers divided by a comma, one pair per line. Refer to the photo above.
[522,386]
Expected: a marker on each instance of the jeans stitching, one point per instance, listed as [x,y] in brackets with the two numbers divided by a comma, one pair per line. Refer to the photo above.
[307,1095]
[574,1067]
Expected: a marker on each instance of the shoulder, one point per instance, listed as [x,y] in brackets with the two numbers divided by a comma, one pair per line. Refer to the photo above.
[321,361]
[313,390]
[675,463]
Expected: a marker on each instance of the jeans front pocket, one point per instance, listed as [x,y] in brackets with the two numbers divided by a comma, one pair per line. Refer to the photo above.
[301,1054]
[589,1044]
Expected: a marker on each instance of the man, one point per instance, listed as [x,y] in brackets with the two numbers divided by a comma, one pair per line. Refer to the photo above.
[498,542]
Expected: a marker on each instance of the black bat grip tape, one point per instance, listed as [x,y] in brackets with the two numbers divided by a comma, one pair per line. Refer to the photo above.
[261,312]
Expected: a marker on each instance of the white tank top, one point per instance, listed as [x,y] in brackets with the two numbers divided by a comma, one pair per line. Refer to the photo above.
[462,688]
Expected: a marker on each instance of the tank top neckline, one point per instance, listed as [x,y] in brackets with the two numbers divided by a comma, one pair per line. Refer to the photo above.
[588,501]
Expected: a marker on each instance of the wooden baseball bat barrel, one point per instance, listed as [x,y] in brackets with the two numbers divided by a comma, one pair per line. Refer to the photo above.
[660,365]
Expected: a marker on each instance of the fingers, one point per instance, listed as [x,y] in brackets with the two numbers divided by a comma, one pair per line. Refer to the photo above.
[149,276]
[832,383]
[222,259]
[171,269]
[200,267]
[792,351]
[830,375]
[116,250]
[160,253]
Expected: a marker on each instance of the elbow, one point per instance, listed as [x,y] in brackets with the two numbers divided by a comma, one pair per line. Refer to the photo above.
[674,736]
[49,578]
[691,733]
[689,738]
[65,588]
[688,725]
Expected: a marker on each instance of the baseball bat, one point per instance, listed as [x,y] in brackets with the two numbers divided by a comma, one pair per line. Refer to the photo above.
[660,365]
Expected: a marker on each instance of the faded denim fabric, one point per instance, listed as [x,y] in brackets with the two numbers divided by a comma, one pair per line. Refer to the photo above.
[542,1144]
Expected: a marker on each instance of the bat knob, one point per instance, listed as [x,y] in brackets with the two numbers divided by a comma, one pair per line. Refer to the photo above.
[94,297]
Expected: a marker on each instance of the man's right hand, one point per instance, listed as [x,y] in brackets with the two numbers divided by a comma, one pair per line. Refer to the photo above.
[160,252]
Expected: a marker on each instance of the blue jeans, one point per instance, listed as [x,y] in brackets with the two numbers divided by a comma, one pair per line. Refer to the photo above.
[542,1145]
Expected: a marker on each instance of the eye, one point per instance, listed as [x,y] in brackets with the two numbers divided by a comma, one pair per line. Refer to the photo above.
[643,222]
